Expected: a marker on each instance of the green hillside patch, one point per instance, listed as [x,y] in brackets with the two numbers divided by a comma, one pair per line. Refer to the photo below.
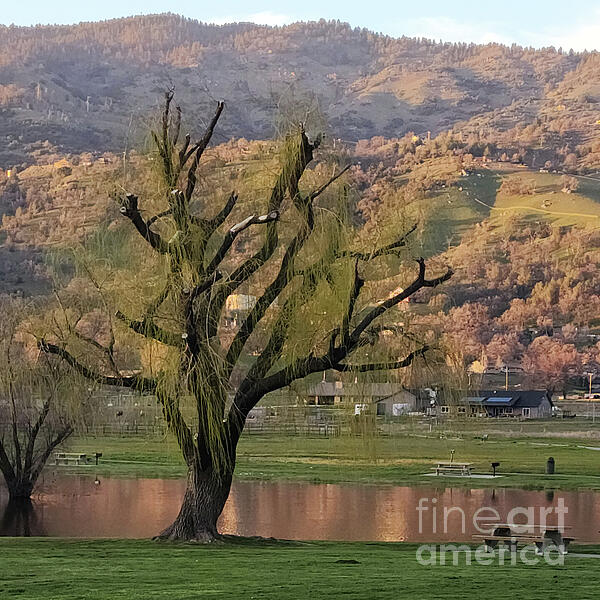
[448,213]
[549,203]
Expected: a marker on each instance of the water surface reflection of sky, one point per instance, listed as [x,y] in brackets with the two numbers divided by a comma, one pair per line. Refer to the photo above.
[138,508]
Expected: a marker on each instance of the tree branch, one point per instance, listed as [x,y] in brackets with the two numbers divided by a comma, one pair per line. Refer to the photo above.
[218,220]
[255,388]
[155,218]
[149,329]
[287,181]
[388,249]
[383,366]
[178,426]
[183,151]
[129,208]
[419,283]
[45,455]
[284,276]
[234,232]
[197,150]
[5,465]
[320,190]
[171,411]
[108,352]
[357,285]
[177,127]
[180,209]
[279,333]
[134,381]
[165,148]
[34,433]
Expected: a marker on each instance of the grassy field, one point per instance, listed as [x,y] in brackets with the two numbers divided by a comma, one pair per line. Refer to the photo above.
[75,570]
[550,203]
[452,211]
[547,203]
[399,459]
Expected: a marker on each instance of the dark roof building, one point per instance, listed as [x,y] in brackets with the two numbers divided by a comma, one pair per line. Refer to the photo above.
[528,404]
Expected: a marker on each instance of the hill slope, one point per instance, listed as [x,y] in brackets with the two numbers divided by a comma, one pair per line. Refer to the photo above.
[87,87]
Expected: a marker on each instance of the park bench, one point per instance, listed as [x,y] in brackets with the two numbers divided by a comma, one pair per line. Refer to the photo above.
[542,536]
[453,468]
[75,458]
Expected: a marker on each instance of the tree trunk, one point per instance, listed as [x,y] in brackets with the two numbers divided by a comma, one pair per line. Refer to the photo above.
[203,502]
[20,488]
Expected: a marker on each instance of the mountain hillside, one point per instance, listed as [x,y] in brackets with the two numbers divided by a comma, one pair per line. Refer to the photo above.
[91,87]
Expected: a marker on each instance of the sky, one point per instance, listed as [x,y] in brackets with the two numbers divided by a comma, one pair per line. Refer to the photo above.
[567,24]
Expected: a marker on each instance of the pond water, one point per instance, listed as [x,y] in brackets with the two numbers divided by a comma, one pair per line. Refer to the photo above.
[76,506]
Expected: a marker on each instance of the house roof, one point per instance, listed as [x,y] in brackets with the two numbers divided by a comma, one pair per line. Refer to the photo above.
[512,398]
[509,398]
[337,388]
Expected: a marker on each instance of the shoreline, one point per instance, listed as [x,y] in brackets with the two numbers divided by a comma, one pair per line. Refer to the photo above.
[402,460]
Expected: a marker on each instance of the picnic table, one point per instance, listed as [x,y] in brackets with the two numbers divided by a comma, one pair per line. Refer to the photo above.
[513,534]
[75,458]
[453,468]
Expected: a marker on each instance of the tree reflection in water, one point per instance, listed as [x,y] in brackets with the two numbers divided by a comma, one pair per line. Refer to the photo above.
[19,518]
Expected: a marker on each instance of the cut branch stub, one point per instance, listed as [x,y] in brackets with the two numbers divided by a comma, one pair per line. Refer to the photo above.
[254,220]
[242,224]
[129,204]
[234,232]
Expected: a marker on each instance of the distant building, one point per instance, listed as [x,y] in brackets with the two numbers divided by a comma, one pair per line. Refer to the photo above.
[237,306]
[240,302]
[387,399]
[524,404]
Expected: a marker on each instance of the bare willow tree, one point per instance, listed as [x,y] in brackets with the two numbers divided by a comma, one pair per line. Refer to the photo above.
[302,255]
[34,420]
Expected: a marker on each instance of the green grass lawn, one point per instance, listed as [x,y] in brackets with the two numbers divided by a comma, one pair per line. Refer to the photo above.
[399,459]
[144,570]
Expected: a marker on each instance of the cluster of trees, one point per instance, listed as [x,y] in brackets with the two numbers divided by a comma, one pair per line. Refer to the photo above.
[569,184]
[518,298]
[517,186]
[10,94]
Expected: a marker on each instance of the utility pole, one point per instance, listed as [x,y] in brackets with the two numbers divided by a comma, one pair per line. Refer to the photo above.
[591,399]
[506,377]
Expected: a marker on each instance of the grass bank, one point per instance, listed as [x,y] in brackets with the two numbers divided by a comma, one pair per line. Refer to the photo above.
[389,460]
[69,570]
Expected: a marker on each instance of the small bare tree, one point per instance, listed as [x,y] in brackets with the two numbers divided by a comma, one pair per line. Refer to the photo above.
[32,420]
[303,258]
